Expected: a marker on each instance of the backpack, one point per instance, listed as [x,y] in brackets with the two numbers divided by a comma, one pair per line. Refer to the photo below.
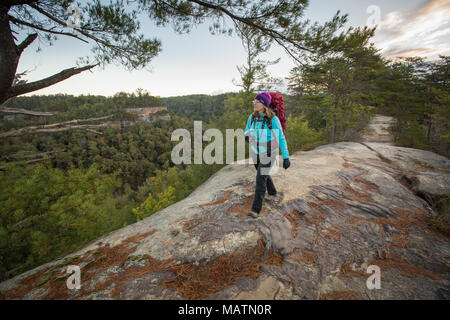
[277,105]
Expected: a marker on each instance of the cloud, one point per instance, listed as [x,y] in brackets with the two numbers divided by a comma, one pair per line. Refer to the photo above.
[411,52]
[424,32]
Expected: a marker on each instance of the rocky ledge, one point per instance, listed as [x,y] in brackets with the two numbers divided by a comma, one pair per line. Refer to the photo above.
[340,208]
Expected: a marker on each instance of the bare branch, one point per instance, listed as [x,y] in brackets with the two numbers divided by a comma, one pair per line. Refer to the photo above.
[93,131]
[28,112]
[20,132]
[75,121]
[19,225]
[18,155]
[3,168]
[55,127]
[25,43]
[43,83]
[79,126]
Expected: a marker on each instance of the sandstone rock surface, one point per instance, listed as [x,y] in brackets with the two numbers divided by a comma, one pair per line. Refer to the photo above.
[340,208]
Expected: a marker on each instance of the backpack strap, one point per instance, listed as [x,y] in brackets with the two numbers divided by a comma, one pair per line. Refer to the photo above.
[269,143]
[268,121]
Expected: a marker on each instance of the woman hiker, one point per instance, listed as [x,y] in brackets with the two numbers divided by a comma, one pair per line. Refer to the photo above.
[262,142]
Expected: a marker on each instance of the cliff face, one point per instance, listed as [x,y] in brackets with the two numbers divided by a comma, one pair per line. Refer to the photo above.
[340,208]
[150,114]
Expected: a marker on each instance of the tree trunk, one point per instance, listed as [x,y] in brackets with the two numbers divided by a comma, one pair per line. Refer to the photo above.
[9,56]
[333,133]
[333,129]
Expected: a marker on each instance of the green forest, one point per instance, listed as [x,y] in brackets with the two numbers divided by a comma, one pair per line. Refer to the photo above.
[82,166]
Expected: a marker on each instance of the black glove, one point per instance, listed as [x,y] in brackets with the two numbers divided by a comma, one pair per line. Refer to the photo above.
[247,138]
[286,163]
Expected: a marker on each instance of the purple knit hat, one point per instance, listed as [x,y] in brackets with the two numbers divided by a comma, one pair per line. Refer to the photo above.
[265,98]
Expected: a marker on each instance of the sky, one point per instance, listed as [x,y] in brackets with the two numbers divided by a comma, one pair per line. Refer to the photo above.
[201,63]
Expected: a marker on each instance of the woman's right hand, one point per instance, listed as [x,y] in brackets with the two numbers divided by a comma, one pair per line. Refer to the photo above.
[286,163]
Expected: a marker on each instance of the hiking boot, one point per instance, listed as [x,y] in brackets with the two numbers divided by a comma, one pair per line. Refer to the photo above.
[253,214]
[274,198]
[271,196]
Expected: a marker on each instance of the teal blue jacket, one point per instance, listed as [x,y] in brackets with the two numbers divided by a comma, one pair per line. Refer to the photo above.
[263,134]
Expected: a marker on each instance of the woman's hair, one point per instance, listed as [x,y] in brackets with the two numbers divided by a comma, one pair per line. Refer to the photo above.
[267,111]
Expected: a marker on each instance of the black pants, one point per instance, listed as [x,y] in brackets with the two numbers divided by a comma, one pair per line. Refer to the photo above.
[263,182]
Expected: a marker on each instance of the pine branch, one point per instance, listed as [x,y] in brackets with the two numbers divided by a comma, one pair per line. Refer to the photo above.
[270,32]
[27,24]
